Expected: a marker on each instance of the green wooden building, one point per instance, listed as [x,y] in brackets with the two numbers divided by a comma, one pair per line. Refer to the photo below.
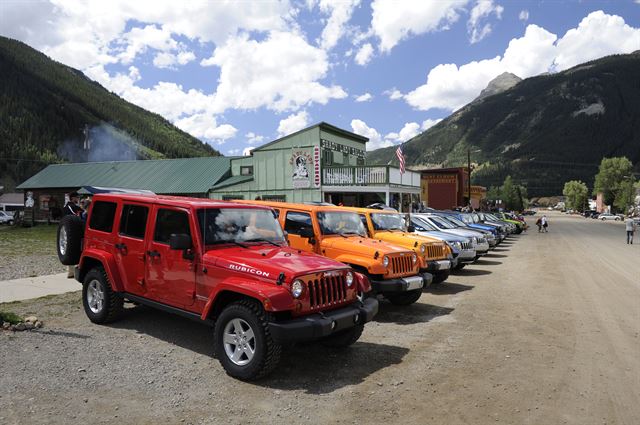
[318,163]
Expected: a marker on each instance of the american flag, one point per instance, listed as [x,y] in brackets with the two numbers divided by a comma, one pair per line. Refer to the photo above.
[400,156]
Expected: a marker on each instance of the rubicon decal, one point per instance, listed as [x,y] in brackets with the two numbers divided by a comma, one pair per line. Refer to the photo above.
[250,270]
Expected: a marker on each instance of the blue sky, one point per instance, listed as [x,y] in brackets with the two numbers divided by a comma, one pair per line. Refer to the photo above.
[238,74]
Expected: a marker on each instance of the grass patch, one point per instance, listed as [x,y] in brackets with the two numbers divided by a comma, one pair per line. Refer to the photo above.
[7,316]
[36,240]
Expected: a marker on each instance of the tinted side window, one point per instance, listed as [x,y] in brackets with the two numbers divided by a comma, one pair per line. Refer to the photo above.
[169,222]
[133,221]
[102,216]
[363,218]
[297,221]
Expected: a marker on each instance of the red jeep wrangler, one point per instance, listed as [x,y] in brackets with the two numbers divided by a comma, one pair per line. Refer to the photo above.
[224,264]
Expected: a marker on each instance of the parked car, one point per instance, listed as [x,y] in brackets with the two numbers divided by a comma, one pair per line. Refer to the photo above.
[389,226]
[463,251]
[219,263]
[478,242]
[339,234]
[6,218]
[609,216]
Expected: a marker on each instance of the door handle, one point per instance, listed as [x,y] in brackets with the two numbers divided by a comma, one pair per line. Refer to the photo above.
[153,254]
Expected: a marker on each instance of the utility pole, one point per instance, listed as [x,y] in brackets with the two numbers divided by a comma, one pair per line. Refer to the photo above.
[469,174]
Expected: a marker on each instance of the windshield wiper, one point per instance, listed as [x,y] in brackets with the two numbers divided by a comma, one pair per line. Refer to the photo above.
[262,240]
[221,241]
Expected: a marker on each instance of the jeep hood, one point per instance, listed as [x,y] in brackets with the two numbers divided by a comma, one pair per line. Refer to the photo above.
[405,239]
[364,247]
[268,261]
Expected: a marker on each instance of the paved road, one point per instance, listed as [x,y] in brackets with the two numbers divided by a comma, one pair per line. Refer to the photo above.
[34,287]
[544,330]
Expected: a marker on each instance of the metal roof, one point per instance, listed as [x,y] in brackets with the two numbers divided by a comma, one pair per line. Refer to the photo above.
[233,180]
[324,126]
[12,198]
[184,175]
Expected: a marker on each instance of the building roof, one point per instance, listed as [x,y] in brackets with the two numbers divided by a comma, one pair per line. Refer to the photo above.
[12,198]
[165,176]
[233,180]
[324,126]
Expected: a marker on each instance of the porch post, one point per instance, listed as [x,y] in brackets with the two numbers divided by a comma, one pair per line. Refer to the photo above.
[386,197]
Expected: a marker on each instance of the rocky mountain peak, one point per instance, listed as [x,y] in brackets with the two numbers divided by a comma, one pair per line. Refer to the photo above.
[502,82]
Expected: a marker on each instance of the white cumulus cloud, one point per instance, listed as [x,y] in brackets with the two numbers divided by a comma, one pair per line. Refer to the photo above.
[364,55]
[253,138]
[364,97]
[410,130]
[204,126]
[428,123]
[293,123]
[450,86]
[477,28]
[340,13]
[375,139]
[395,20]
[524,15]
[252,73]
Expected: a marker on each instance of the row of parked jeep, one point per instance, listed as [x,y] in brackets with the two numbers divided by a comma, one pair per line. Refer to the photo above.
[265,274]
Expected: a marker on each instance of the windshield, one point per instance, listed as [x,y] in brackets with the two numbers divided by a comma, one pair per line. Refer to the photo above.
[419,222]
[340,223]
[387,221]
[236,225]
[456,221]
[442,223]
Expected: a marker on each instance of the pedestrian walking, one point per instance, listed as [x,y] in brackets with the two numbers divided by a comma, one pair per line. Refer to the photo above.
[630,227]
[72,208]
[539,224]
[545,223]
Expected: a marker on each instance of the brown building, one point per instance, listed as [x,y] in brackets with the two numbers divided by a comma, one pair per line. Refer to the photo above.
[444,188]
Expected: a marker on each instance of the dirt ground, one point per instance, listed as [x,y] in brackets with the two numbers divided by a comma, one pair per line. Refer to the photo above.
[544,330]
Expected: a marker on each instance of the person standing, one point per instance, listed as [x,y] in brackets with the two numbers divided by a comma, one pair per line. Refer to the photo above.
[539,224]
[72,208]
[630,227]
[545,223]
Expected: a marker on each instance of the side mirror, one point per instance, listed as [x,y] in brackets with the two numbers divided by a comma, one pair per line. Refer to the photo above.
[306,232]
[411,228]
[180,241]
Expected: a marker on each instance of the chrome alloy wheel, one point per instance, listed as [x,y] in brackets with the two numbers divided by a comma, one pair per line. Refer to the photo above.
[62,242]
[239,342]
[95,296]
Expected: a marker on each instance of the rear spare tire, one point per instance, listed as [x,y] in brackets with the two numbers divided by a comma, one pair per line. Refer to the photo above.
[69,240]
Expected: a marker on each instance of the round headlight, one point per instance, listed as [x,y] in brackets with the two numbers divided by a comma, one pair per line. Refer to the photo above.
[349,278]
[414,257]
[296,288]
[423,248]
[457,244]
[474,240]
[385,261]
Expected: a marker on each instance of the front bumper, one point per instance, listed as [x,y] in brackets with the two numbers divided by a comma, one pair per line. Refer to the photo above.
[320,325]
[398,285]
[439,265]
[467,256]
[427,278]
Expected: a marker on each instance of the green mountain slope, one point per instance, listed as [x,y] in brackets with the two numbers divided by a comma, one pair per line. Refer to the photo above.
[46,107]
[543,131]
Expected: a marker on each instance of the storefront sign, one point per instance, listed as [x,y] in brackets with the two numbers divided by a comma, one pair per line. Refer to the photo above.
[316,166]
[328,144]
[301,161]
[441,178]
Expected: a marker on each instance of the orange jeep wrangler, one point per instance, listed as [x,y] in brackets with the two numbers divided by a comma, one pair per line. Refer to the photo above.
[434,255]
[339,234]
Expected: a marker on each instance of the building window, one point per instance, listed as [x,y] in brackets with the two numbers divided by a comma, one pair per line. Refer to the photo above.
[338,158]
[327,157]
[246,170]
[275,198]
[360,161]
[231,197]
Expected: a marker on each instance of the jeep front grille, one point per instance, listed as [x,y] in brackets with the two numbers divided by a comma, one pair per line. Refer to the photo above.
[482,241]
[467,246]
[327,291]
[435,251]
[401,264]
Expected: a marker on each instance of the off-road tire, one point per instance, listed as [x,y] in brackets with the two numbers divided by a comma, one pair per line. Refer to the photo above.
[440,277]
[73,228]
[112,305]
[404,298]
[343,338]
[267,351]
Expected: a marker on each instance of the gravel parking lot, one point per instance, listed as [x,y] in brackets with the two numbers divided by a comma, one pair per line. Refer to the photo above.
[544,330]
